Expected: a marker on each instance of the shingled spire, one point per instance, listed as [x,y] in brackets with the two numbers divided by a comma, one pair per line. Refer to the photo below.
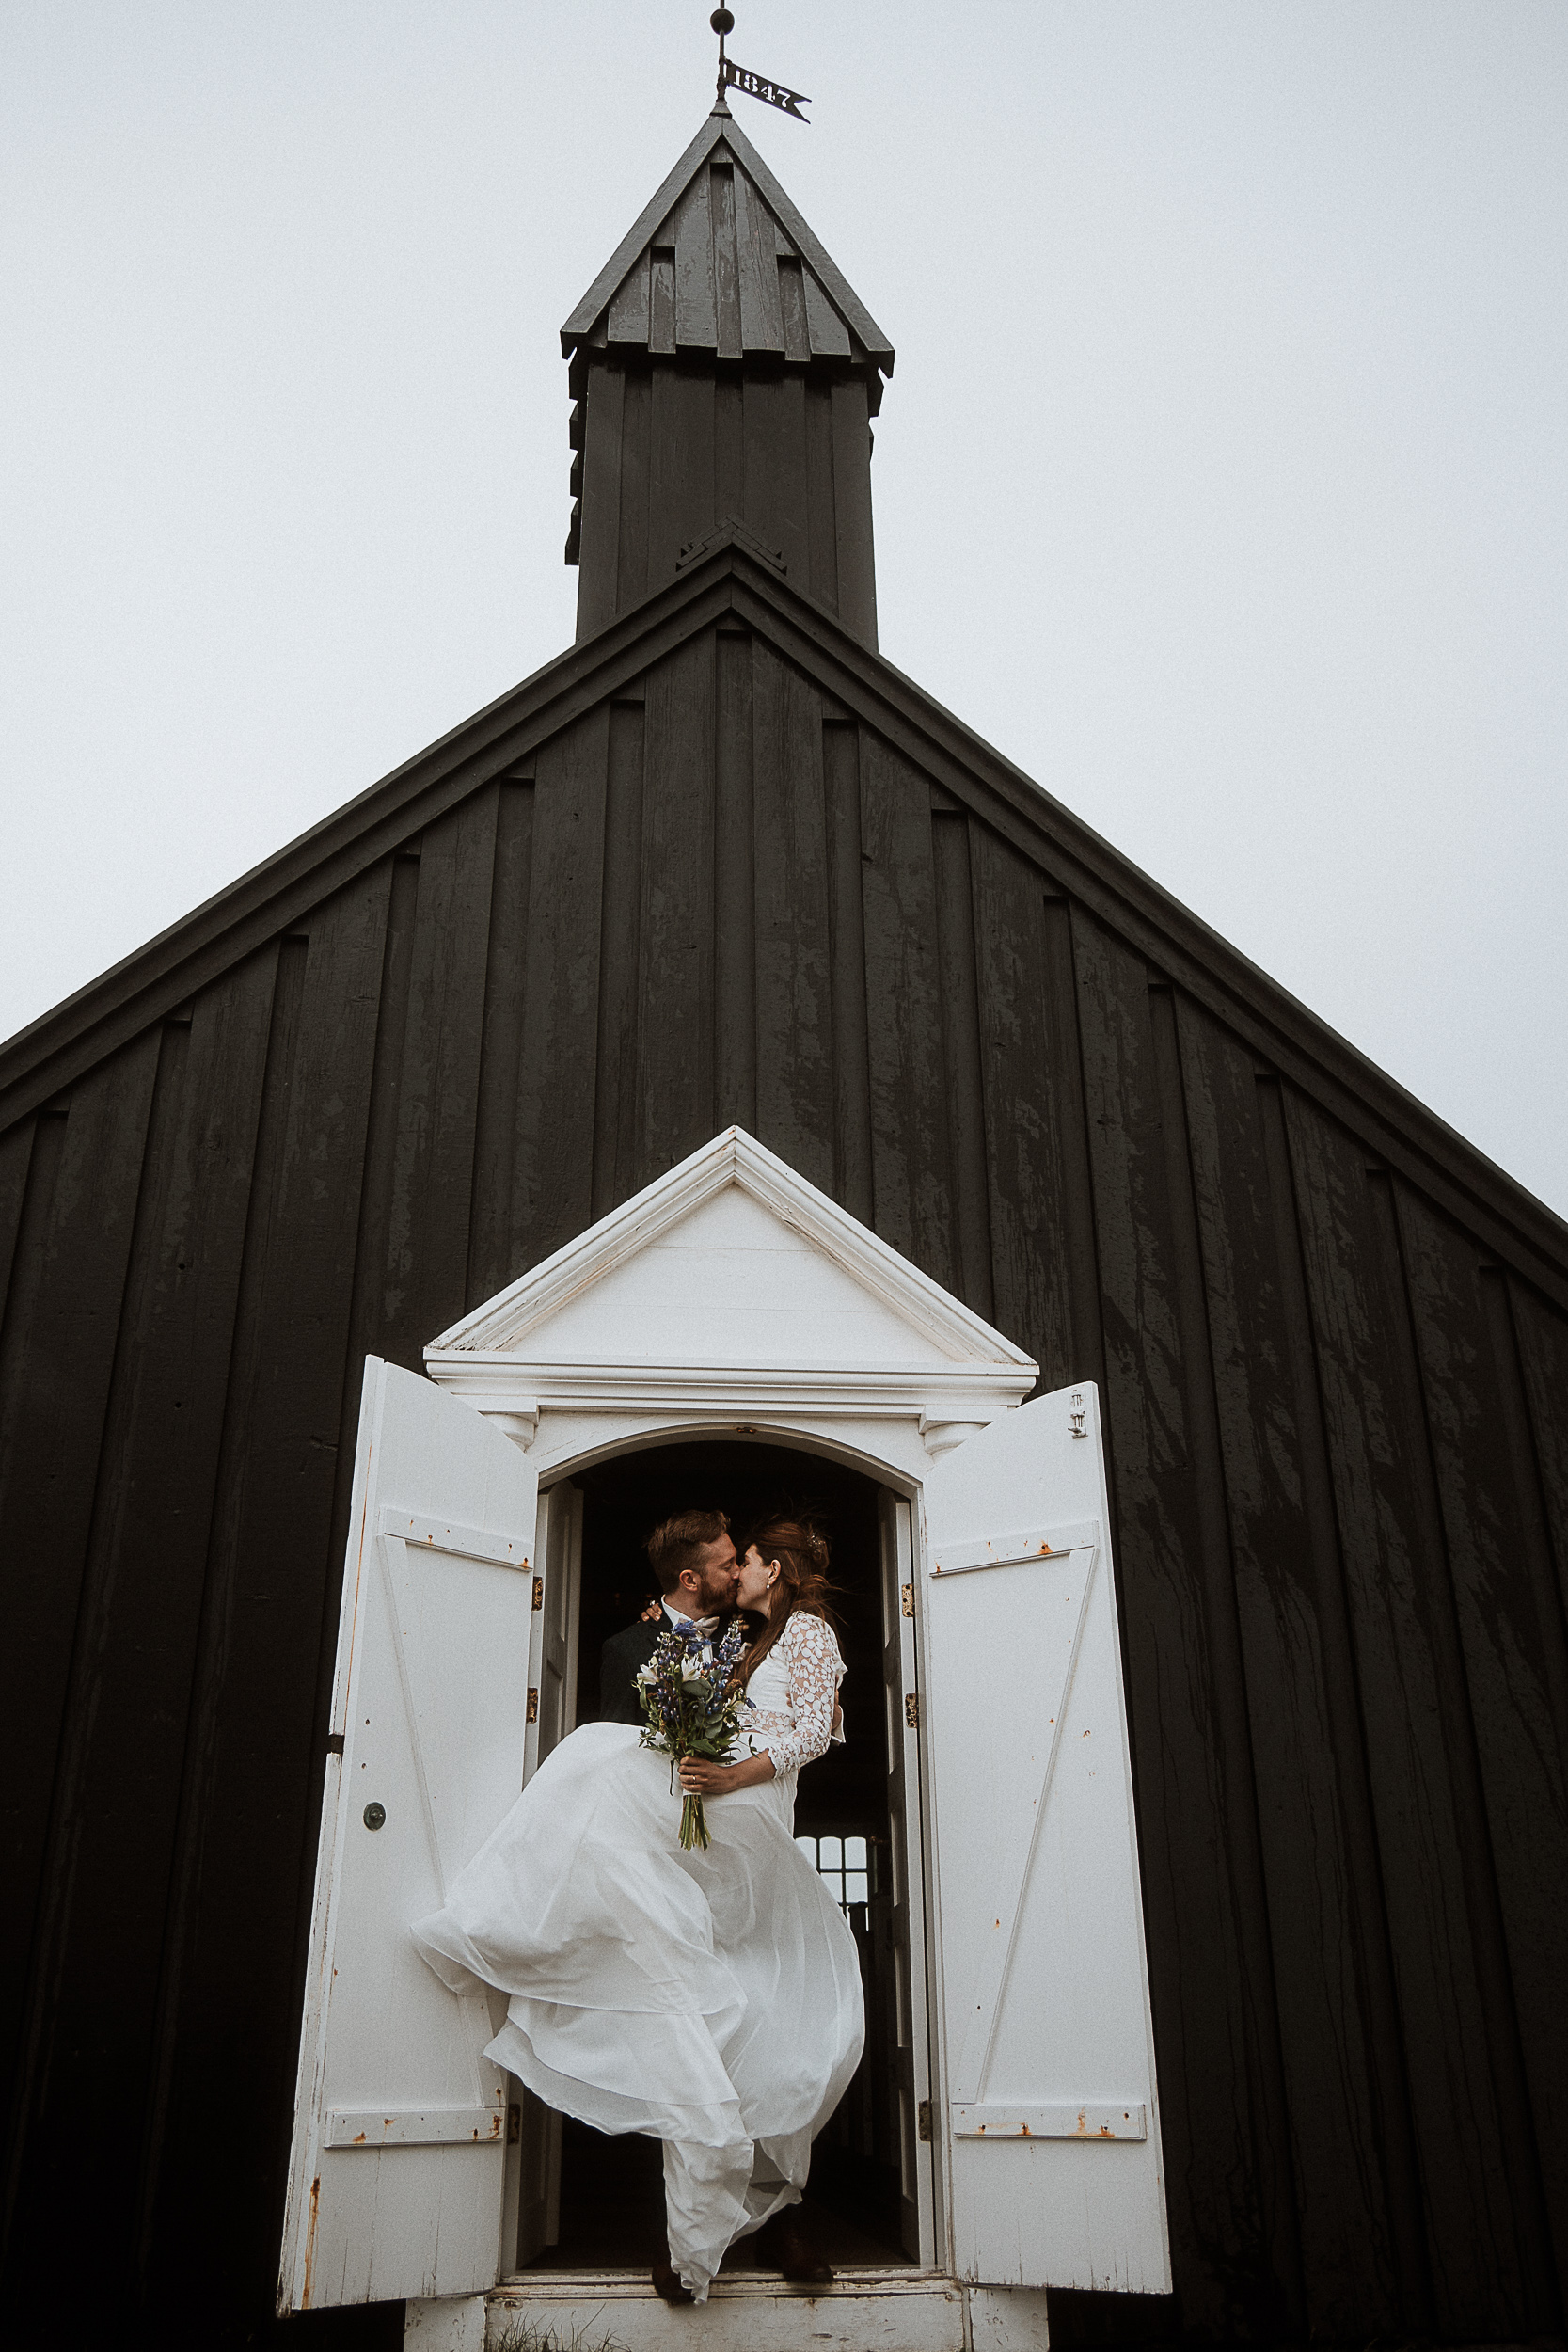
[724,373]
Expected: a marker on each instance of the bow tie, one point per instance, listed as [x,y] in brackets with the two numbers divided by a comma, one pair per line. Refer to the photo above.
[704,1625]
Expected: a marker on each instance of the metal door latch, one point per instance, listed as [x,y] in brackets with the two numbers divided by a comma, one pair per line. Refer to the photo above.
[923,2119]
[539,1592]
[532,1704]
[907,1599]
[912,1710]
[1077,1414]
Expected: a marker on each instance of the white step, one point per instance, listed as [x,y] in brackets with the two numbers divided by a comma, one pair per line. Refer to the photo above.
[896,2310]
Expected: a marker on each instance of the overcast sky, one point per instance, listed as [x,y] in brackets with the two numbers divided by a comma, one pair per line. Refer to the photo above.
[1221,483]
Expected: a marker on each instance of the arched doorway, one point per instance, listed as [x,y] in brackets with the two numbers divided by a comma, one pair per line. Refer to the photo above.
[589,2203]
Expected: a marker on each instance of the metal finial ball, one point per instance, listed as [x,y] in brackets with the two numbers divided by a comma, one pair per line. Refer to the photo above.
[721,20]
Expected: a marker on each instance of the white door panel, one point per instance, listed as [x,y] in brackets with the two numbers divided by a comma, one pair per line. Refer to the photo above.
[399,2125]
[911,2027]
[1053,2118]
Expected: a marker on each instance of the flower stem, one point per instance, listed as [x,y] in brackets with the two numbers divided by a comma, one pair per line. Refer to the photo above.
[694,1826]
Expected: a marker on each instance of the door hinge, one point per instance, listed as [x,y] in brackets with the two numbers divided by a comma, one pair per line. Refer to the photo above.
[907,1595]
[532,1704]
[912,1710]
[515,2123]
[923,2119]
[539,1592]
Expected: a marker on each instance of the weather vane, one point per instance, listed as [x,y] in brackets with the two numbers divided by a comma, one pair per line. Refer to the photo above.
[733,76]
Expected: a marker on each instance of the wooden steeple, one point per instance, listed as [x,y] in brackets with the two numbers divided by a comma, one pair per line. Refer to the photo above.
[724,375]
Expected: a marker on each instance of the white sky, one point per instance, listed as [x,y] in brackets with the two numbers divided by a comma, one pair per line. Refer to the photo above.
[1221,483]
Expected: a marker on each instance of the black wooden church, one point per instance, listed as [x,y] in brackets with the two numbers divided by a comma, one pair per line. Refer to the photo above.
[721,865]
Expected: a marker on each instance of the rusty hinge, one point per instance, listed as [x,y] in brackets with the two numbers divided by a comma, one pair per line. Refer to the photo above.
[513,2123]
[912,1710]
[532,1704]
[923,2119]
[539,1592]
[907,1595]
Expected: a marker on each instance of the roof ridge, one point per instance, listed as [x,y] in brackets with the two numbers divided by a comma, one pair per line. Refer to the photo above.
[53,1052]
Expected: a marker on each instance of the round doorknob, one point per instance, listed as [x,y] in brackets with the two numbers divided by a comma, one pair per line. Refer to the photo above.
[374,1815]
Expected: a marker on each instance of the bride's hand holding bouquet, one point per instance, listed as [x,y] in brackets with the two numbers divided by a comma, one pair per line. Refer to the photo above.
[691,1712]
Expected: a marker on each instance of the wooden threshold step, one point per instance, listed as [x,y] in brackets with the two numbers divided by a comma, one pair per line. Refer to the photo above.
[899,2309]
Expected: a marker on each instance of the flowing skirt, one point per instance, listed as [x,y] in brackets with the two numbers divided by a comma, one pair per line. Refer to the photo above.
[712,2000]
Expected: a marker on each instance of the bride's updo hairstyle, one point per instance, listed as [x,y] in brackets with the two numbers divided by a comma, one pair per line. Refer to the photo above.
[800,1548]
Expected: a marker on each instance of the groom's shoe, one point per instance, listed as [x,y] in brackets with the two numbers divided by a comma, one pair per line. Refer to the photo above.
[668,2283]
[788,2242]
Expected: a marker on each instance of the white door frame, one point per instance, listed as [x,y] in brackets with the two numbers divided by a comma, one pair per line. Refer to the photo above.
[923,1982]
[618,1343]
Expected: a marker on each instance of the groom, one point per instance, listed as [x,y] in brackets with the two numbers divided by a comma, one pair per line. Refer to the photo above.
[693,1559]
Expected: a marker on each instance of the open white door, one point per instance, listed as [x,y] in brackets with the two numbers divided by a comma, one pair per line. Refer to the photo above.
[534,2196]
[911,2025]
[1051,2119]
[399,2119]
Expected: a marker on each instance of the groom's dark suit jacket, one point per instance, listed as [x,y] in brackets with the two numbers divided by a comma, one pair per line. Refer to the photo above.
[619,1659]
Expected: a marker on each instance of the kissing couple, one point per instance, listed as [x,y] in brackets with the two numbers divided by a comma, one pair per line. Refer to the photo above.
[712,1997]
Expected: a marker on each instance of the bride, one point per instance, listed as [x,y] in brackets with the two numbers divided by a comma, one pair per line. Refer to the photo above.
[711,1999]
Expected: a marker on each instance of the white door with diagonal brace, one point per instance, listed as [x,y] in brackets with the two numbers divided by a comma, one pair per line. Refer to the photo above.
[1052,2122]
[400,2123]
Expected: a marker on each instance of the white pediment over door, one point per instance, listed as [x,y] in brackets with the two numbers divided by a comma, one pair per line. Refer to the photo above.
[729,1282]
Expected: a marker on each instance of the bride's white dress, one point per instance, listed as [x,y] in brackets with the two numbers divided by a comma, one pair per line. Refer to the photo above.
[710,1999]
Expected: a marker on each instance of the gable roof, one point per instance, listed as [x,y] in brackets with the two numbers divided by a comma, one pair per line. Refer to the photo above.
[720,260]
[500,740]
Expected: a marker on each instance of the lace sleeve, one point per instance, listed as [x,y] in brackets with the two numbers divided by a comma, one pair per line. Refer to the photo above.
[816,1670]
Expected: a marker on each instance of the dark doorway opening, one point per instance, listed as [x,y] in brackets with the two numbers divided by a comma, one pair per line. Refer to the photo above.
[612,2203]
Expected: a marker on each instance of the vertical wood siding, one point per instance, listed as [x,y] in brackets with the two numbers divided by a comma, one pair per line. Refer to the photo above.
[1339,1442]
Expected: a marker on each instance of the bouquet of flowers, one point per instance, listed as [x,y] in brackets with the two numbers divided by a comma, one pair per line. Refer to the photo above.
[690,1711]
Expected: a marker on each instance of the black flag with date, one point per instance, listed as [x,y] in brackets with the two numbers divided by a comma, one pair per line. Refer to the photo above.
[758,86]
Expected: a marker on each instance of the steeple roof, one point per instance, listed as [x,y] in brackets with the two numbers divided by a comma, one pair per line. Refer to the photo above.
[720,262]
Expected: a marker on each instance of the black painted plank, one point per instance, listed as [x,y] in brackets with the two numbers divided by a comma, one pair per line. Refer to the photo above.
[490,1268]
[696,303]
[852,1051]
[1234,2250]
[1478,2184]
[234,1966]
[738,901]
[417,1260]
[615,1092]
[631,545]
[789,933]
[16,1150]
[856,559]
[676,932]
[961,1042]
[680,467]
[554,1181]
[118,1782]
[773,426]
[605,423]
[59,1358]
[912,1182]
[729,449]
[1306,1759]
[1037,1225]
[1512,1657]
[726,260]
[1543,1357]
[821,522]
